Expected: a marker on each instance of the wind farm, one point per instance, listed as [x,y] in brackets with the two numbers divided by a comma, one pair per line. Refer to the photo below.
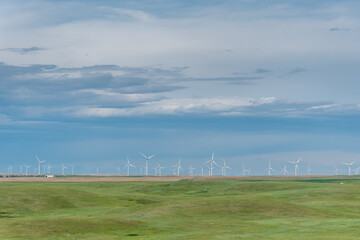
[179,120]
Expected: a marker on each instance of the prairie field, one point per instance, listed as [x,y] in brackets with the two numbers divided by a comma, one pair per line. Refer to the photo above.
[259,208]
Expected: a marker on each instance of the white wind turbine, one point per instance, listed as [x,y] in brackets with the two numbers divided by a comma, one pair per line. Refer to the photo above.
[244,170]
[39,163]
[223,168]
[118,170]
[178,167]
[269,169]
[296,165]
[160,168]
[63,169]
[26,169]
[191,170]
[212,164]
[337,171]
[349,165]
[285,171]
[147,162]
[49,167]
[309,170]
[128,165]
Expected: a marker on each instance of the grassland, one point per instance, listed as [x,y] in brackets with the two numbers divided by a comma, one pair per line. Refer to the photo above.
[188,209]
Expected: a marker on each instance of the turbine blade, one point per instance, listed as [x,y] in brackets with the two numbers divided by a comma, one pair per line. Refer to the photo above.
[143,155]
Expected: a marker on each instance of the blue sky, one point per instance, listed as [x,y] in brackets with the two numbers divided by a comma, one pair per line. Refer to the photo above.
[86,83]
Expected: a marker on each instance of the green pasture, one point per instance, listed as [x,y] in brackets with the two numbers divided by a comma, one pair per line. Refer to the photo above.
[188,209]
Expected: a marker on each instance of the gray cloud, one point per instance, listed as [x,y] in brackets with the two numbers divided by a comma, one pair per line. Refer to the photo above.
[297,70]
[23,50]
[338,29]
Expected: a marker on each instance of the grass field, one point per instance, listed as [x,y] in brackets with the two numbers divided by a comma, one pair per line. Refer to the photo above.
[187,209]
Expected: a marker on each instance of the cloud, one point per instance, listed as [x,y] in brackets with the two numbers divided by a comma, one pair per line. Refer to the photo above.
[338,29]
[23,50]
[215,105]
[297,70]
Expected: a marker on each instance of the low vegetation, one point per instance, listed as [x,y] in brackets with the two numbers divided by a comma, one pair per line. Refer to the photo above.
[188,209]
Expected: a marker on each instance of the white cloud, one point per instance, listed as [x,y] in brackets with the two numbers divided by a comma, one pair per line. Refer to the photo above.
[177,106]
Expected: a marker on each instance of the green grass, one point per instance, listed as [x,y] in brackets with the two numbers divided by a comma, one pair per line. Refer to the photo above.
[188,209]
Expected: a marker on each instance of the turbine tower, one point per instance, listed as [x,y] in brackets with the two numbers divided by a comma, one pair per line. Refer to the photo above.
[212,163]
[49,168]
[160,168]
[147,162]
[244,170]
[285,171]
[309,170]
[191,170]
[223,168]
[269,169]
[296,165]
[128,165]
[178,167]
[349,165]
[337,171]
[39,163]
[63,169]
[26,169]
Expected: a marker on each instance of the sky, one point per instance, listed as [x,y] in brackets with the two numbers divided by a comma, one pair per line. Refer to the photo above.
[88,83]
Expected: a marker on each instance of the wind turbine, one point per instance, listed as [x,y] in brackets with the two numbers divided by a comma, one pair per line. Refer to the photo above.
[337,171]
[285,171]
[178,167]
[309,170]
[349,165]
[49,168]
[26,169]
[245,170]
[63,169]
[118,170]
[128,165]
[212,163]
[147,162]
[269,169]
[39,163]
[223,168]
[296,165]
[191,170]
[160,168]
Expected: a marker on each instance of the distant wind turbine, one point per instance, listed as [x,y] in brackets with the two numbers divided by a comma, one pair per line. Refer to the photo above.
[269,169]
[178,167]
[39,163]
[128,165]
[26,169]
[212,164]
[285,171]
[147,162]
[309,170]
[296,164]
[63,169]
[244,170]
[349,165]
[337,171]
[160,168]
[191,170]
[223,168]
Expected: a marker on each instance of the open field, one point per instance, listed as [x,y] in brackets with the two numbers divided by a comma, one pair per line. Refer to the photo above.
[318,207]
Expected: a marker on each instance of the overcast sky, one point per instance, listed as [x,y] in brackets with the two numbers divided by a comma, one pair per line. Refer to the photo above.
[87,83]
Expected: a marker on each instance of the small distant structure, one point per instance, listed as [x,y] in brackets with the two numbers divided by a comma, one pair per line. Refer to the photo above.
[50,176]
